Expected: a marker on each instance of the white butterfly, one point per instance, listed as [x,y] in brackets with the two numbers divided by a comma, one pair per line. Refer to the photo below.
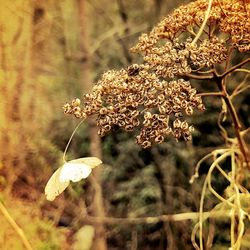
[74,170]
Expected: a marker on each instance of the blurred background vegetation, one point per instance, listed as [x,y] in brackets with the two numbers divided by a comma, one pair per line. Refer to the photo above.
[50,52]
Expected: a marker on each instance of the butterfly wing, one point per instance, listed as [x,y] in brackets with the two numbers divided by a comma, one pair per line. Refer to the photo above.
[90,161]
[55,186]
[74,171]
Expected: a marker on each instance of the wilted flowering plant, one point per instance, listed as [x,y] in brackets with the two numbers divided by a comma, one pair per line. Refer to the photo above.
[155,96]
[196,41]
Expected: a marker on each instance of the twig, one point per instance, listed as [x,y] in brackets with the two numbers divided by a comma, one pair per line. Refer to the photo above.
[157,219]
[18,230]
[200,77]
[211,94]
[204,22]
[233,113]
[234,68]
[221,8]
[243,70]
[205,72]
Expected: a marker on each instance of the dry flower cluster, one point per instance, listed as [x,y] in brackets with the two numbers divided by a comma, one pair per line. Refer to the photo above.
[152,96]
[228,16]
[175,58]
[134,97]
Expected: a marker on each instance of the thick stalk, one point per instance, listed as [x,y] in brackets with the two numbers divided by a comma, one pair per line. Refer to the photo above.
[235,118]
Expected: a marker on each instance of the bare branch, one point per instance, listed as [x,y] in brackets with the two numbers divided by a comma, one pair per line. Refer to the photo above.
[152,220]
[239,65]
[199,77]
[211,94]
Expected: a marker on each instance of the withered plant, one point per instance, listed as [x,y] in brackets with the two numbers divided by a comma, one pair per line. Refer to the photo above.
[204,41]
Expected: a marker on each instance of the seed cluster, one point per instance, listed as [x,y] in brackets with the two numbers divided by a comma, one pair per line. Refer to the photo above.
[208,53]
[237,24]
[230,16]
[175,58]
[135,97]
[152,97]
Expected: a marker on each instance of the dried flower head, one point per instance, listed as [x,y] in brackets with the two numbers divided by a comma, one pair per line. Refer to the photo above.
[153,97]
[137,98]
[228,16]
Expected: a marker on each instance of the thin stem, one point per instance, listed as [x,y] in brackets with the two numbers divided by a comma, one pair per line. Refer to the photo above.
[18,230]
[70,139]
[221,8]
[203,193]
[157,219]
[204,22]
[205,72]
[211,94]
[234,68]
[233,113]
[243,70]
[209,77]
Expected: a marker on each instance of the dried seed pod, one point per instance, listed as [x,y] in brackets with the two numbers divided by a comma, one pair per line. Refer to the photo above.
[169,110]
[146,144]
[67,108]
[161,98]
[133,70]
[201,107]
[129,127]
[147,115]
[177,123]
[135,113]
[103,111]
[177,133]
[184,125]
[189,110]
[159,139]
[176,108]
[184,104]
[107,128]
[162,109]
[78,114]
[76,102]
[83,115]
[146,122]
[136,122]
[167,131]
[162,118]
[76,109]
[158,85]
[191,129]
[168,91]
[178,115]
[177,101]
[121,123]
[155,124]
[110,109]
[101,132]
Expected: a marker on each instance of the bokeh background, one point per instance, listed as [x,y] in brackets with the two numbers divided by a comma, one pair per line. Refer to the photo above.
[50,52]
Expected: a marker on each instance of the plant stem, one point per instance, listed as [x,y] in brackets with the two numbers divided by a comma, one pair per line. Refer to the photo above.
[211,94]
[204,22]
[18,230]
[157,219]
[199,77]
[232,111]
[234,68]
